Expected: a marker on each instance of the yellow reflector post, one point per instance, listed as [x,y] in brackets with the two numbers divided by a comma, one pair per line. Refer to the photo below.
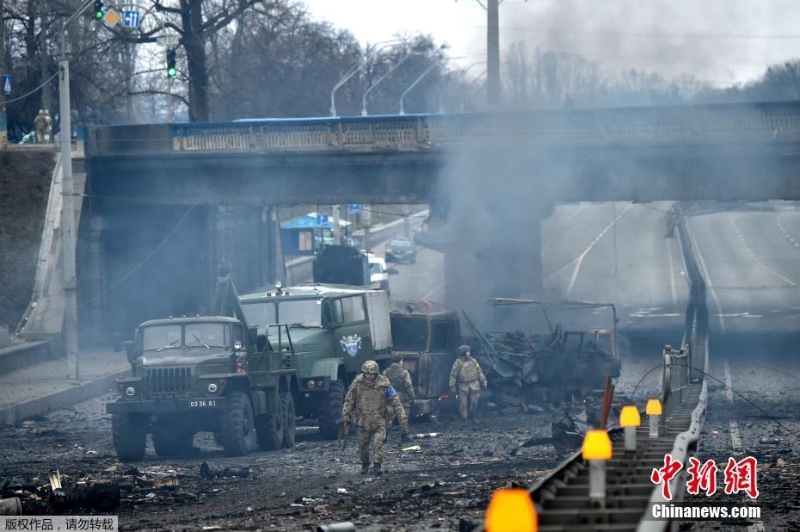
[653,407]
[511,510]
[629,417]
[597,445]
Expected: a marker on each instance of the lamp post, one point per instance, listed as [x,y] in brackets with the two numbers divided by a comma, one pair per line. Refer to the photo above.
[67,206]
[371,87]
[416,81]
[357,68]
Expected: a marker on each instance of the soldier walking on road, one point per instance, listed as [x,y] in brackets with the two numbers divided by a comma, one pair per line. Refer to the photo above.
[365,404]
[40,123]
[400,379]
[467,373]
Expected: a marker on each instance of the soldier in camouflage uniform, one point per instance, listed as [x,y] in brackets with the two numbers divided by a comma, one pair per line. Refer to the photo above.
[365,404]
[467,373]
[400,379]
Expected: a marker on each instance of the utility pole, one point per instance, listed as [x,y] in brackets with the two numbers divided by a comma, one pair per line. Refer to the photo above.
[68,235]
[493,89]
[47,95]
[3,127]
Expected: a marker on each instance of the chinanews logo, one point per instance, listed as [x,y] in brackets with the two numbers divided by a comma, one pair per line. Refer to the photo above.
[739,476]
[350,344]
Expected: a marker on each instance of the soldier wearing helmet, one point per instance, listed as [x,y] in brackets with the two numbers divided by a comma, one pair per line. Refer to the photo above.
[365,404]
[400,379]
[469,377]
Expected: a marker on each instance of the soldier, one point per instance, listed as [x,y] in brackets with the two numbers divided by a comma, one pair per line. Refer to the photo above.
[41,126]
[467,373]
[367,400]
[400,379]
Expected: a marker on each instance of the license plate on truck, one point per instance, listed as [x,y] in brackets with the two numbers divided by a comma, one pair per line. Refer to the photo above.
[202,403]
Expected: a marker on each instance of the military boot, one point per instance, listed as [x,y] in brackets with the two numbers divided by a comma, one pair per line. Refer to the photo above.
[377,469]
[364,468]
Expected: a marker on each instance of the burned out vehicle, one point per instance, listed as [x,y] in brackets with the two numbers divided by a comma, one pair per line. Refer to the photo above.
[196,374]
[556,351]
[334,330]
[427,336]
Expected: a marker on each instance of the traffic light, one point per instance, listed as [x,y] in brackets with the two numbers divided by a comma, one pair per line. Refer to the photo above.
[172,70]
[98,10]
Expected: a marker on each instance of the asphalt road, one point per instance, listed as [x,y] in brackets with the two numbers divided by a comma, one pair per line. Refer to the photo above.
[617,253]
[749,257]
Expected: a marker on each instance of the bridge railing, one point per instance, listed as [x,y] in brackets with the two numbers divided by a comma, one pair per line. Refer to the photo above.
[419,132]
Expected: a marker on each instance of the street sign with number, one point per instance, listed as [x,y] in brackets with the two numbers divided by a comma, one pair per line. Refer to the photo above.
[169,40]
[131,18]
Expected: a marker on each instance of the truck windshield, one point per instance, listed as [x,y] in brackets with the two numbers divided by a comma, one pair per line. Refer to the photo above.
[303,312]
[161,337]
[409,334]
[206,335]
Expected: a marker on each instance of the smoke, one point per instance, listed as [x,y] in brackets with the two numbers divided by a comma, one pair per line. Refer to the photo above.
[721,41]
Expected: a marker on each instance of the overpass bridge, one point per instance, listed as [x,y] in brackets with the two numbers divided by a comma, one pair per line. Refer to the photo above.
[709,152]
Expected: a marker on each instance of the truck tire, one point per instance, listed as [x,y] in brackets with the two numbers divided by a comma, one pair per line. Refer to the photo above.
[330,411]
[269,431]
[287,408]
[237,425]
[129,432]
[171,440]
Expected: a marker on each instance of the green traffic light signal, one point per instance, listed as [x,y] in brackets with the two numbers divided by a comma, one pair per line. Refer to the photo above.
[172,69]
[98,10]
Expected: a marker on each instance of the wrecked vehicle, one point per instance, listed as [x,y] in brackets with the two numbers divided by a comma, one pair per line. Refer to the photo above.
[195,374]
[426,335]
[334,330]
[568,351]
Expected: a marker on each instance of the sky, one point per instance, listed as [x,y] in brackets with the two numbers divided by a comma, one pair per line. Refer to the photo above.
[720,41]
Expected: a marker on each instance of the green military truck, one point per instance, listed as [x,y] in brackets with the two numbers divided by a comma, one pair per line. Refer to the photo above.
[214,374]
[334,329]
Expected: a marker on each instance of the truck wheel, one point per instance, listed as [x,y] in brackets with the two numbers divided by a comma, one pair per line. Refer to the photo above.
[287,408]
[237,425]
[170,440]
[330,411]
[129,432]
[269,431]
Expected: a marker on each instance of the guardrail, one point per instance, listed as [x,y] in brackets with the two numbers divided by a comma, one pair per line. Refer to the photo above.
[422,132]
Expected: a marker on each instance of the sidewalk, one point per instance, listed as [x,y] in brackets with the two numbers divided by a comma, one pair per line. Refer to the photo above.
[36,389]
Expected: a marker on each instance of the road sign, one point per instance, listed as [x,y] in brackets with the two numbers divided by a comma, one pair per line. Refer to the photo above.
[131,18]
[354,208]
[6,84]
[111,18]
[169,40]
[322,219]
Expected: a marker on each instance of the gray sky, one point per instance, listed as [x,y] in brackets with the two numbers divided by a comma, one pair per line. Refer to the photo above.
[720,41]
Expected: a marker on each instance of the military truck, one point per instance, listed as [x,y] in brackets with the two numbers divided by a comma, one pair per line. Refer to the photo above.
[334,328]
[427,336]
[343,265]
[206,373]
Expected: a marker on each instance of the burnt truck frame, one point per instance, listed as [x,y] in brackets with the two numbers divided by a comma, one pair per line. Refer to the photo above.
[196,374]
[335,329]
[427,336]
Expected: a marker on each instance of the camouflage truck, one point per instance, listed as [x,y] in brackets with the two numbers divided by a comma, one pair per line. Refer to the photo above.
[334,329]
[427,336]
[194,374]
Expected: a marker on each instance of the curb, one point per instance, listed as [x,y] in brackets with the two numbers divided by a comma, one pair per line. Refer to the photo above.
[11,415]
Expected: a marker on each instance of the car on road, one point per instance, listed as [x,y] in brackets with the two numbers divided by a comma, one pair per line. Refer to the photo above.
[401,250]
[378,273]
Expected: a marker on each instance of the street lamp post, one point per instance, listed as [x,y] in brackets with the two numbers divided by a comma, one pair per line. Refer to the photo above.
[371,87]
[67,207]
[357,68]
[416,81]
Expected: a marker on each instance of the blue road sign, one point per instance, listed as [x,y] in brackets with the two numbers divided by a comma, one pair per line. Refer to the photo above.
[353,208]
[322,219]
[131,18]
[6,84]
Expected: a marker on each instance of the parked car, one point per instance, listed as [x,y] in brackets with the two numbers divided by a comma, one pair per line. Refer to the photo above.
[401,250]
[378,273]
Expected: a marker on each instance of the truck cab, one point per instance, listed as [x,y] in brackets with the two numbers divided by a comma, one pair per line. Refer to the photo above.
[334,330]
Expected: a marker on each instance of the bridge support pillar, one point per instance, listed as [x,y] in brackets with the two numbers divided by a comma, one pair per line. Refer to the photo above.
[92,285]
